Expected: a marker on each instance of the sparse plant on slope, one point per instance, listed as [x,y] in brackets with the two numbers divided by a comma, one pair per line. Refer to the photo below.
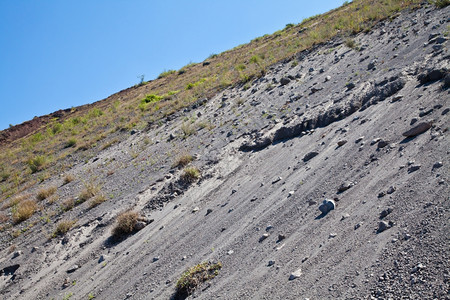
[195,276]
[63,227]
[23,210]
[183,160]
[44,193]
[441,3]
[190,174]
[125,223]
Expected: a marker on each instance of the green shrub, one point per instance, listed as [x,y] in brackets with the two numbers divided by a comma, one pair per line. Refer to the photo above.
[71,142]
[350,43]
[195,276]
[166,73]
[183,160]
[441,3]
[63,227]
[190,174]
[37,163]
[23,210]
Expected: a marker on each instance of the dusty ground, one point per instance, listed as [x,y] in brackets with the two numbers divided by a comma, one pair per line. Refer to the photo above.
[256,180]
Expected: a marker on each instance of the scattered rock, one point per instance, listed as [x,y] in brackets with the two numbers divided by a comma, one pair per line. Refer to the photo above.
[284,81]
[383,225]
[332,235]
[327,78]
[382,144]
[139,225]
[73,269]
[417,268]
[296,274]
[345,186]
[208,211]
[270,263]
[281,237]
[195,209]
[263,237]
[229,252]
[342,143]
[391,189]
[437,165]
[413,168]
[372,64]
[397,98]
[385,212]
[359,139]
[327,206]
[291,193]
[374,141]
[358,225]
[17,254]
[310,155]
[350,86]
[381,194]
[155,259]
[277,179]
[345,216]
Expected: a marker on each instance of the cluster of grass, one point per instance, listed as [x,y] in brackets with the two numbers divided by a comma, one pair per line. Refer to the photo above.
[190,174]
[441,3]
[23,210]
[63,227]
[125,223]
[195,276]
[183,160]
[44,193]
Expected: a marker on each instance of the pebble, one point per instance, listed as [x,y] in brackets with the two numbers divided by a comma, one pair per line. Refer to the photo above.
[291,193]
[270,263]
[277,179]
[345,186]
[345,216]
[73,269]
[391,189]
[437,165]
[296,274]
[342,143]
[263,237]
[310,155]
[229,252]
[385,212]
[17,254]
[359,139]
[326,206]
[413,168]
[155,259]
[332,235]
[196,209]
[382,226]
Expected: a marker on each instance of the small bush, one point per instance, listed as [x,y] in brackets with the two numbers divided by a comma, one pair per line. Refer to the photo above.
[63,227]
[166,73]
[23,210]
[89,191]
[68,178]
[99,199]
[195,276]
[3,218]
[190,174]
[37,163]
[183,160]
[350,43]
[71,143]
[44,193]
[68,204]
[187,129]
[125,223]
[15,200]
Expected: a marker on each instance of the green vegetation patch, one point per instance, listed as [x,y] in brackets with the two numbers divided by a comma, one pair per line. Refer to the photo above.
[195,276]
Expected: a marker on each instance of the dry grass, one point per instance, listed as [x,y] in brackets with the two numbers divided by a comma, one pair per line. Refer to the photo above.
[195,276]
[183,160]
[125,223]
[3,217]
[90,190]
[63,227]
[190,174]
[44,193]
[68,204]
[23,210]
[15,200]
[68,178]
[97,200]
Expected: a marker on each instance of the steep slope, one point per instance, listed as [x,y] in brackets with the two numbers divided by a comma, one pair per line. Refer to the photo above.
[326,124]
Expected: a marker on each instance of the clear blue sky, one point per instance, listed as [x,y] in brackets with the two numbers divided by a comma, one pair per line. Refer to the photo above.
[57,54]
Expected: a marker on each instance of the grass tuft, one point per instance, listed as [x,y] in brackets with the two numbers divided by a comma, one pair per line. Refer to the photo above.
[183,160]
[23,211]
[125,223]
[195,276]
[44,193]
[190,174]
[63,227]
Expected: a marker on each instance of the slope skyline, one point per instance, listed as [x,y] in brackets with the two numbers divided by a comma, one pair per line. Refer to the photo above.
[59,56]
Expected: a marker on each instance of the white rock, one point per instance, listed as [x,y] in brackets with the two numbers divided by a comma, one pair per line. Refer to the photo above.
[295,274]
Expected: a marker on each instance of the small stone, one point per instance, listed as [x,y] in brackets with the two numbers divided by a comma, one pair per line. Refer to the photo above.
[381,194]
[208,211]
[345,186]
[418,129]
[359,139]
[229,252]
[277,179]
[195,209]
[17,254]
[263,237]
[281,237]
[327,78]
[397,98]
[139,225]
[350,86]
[437,165]
[413,168]
[291,193]
[310,155]
[358,225]
[382,144]
[73,269]
[345,216]
[382,226]
[270,263]
[34,249]
[155,259]
[284,81]
[327,205]
[391,189]
[374,141]
[296,274]
[342,143]
[332,235]
[385,212]
[102,258]
[268,228]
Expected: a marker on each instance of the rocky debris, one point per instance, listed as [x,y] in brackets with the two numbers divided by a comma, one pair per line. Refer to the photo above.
[327,78]
[358,140]
[296,274]
[195,209]
[279,178]
[382,144]
[102,258]
[358,225]
[310,155]
[332,235]
[385,212]
[281,237]
[284,81]
[432,74]
[327,206]
[350,86]
[397,98]
[342,143]
[73,268]
[263,237]
[139,225]
[345,216]
[155,259]
[413,168]
[372,64]
[391,190]
[437,165]
[208,211]
[345,186]
[291,193]
[417,268]
[383,226]
[17,254]
[270,263]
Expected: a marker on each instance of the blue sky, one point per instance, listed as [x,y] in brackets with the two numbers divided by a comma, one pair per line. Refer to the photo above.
[59,54]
